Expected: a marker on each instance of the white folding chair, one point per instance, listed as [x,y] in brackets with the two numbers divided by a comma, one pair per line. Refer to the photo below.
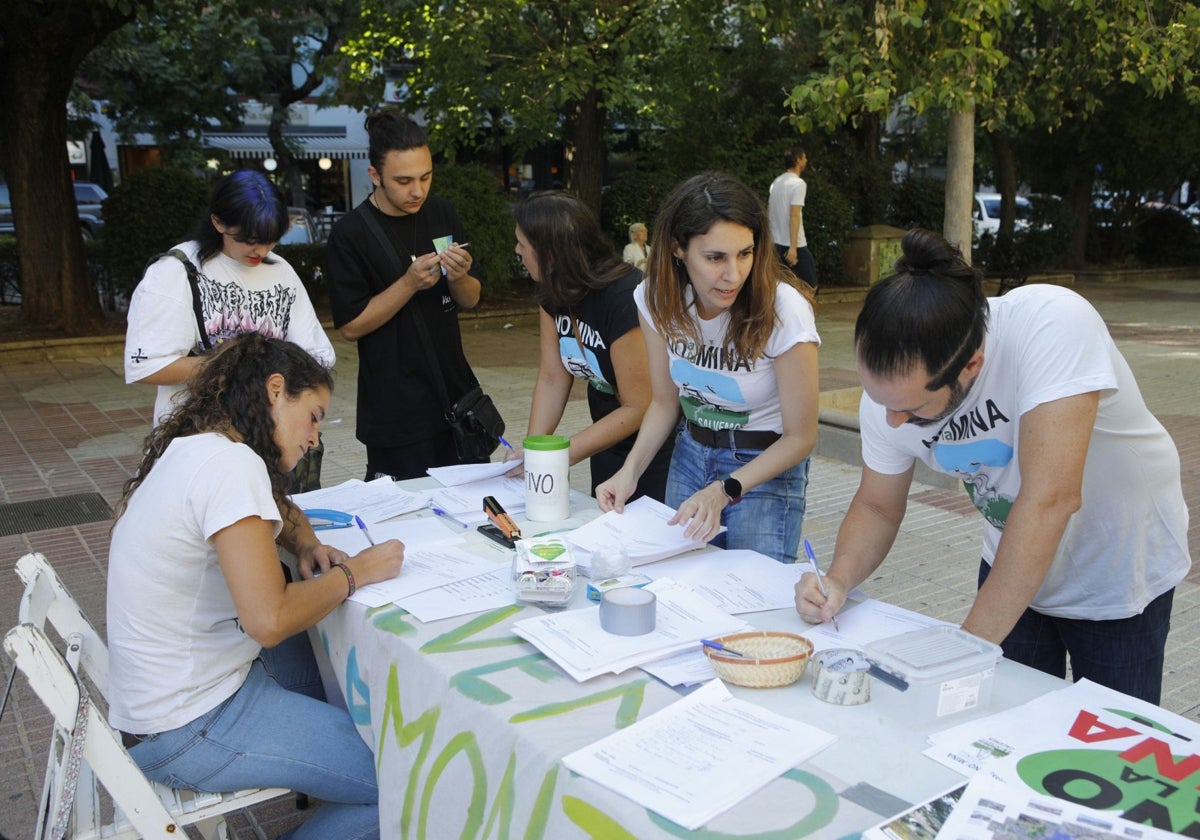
[85,753]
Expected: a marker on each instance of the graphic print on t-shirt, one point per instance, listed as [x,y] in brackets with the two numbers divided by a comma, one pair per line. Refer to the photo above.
[958,450]
[586,366]
[697,388]
[230,310]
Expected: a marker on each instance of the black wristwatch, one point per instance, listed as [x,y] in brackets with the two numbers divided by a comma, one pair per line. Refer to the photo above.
[732,488]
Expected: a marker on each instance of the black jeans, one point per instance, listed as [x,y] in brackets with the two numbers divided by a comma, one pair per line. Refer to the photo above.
[1125,654]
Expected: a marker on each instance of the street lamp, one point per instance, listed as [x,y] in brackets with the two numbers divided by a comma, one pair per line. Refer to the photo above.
[270,164]
[325,163]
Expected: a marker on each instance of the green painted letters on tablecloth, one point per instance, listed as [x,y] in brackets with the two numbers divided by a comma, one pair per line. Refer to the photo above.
[598,825]
[422,728]
[392,619]
[360,712]
[632,694]
[453,640]
[470,684]
[825,808]
[466,743]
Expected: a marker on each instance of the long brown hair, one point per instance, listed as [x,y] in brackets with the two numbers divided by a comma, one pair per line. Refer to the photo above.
[573,254]
[228,394]
[691,210]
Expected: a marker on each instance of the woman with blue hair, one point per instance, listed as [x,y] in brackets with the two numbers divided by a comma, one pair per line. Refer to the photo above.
[223,282]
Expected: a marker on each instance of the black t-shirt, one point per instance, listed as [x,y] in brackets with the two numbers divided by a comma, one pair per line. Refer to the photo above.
[398,399]
[604,315]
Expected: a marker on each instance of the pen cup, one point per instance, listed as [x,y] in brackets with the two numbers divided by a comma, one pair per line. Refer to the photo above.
[547,487]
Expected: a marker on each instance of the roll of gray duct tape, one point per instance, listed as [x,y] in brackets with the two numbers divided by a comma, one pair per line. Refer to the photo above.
[627,611]
[840,676]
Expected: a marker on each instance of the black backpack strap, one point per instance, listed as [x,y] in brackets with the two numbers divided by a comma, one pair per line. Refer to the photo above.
[389,248]
[194,283]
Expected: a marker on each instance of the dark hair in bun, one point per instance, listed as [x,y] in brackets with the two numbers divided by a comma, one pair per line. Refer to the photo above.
[932,311]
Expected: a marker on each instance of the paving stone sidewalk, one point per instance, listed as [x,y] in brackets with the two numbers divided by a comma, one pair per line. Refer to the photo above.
[69,425]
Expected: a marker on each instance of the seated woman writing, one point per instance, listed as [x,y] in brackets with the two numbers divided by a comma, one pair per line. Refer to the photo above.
[214,685]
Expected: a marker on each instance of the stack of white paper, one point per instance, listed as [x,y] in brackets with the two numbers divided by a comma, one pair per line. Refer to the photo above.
[465,501]
[373,501]
[426,567]
[457,474]
[642,530]
[575,640]
[699,756]
[738,580]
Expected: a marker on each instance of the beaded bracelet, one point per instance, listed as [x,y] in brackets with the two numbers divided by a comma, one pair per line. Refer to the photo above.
[349,578]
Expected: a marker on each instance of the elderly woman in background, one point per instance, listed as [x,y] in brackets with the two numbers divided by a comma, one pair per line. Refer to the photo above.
[637,251]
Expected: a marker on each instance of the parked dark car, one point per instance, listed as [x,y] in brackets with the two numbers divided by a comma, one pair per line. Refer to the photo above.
[89,199]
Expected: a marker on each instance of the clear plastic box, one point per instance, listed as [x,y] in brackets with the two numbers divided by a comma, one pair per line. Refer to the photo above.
[543,572]
[947,670]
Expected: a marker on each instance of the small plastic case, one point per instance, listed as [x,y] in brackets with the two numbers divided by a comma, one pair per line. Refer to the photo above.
[543,572]
[947,671]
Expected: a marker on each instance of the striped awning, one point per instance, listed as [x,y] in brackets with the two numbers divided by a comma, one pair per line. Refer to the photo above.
[238,145]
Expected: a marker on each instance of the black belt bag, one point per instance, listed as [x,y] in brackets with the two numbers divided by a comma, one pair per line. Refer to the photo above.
[731,438]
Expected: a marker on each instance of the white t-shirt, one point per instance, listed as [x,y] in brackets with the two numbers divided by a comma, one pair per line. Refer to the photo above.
[176,648]
[787,191]
[719,390]
[1128,542]
[268,298]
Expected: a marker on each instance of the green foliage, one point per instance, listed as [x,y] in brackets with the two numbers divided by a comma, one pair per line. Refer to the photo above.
[483,208]
[919,202]
[1165,237]
[149,212]
[635,197]
[828,218]
[309,262]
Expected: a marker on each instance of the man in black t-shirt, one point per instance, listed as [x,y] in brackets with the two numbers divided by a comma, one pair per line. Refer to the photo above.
[401,414]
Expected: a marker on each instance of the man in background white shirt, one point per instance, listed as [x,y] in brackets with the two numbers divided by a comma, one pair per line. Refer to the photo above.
[786,209]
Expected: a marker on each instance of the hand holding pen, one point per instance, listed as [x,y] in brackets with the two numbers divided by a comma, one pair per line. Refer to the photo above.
[809,609]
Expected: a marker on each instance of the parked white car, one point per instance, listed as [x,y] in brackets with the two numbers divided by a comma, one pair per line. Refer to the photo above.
[986,213]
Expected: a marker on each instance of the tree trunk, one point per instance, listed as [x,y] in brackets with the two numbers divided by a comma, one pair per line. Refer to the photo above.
[293,182]
[36,73]
[1006,185]
[583,142]
[1079,204]
[960,179]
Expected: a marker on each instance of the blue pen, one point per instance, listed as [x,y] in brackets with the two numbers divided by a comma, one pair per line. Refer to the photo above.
[504,443]
[362,526]
[812,560]
[708,643]
[448,519]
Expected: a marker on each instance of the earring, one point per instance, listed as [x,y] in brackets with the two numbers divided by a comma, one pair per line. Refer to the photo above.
[678,261]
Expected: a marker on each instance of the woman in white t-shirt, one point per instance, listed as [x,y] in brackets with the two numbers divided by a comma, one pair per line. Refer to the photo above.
[241,286]
[213,683]
[733,347]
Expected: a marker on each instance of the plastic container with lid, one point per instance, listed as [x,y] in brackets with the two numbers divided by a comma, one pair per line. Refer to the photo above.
[947,671]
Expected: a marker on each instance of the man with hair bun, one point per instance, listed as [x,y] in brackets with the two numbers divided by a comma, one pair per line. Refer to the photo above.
[1027,400]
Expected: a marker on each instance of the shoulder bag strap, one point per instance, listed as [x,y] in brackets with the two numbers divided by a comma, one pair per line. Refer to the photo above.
[410,307]
[194,283]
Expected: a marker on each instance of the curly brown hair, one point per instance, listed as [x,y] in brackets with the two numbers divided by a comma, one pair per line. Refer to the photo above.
[228,395]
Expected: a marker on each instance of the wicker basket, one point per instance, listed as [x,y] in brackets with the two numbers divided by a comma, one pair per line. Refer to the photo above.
[770,659]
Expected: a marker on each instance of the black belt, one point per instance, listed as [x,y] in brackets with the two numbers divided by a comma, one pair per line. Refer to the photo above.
[129,740]
[731,438]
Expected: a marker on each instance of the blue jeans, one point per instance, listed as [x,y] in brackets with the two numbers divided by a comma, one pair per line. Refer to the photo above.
[1125,654]
[769,519]
[267,735]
